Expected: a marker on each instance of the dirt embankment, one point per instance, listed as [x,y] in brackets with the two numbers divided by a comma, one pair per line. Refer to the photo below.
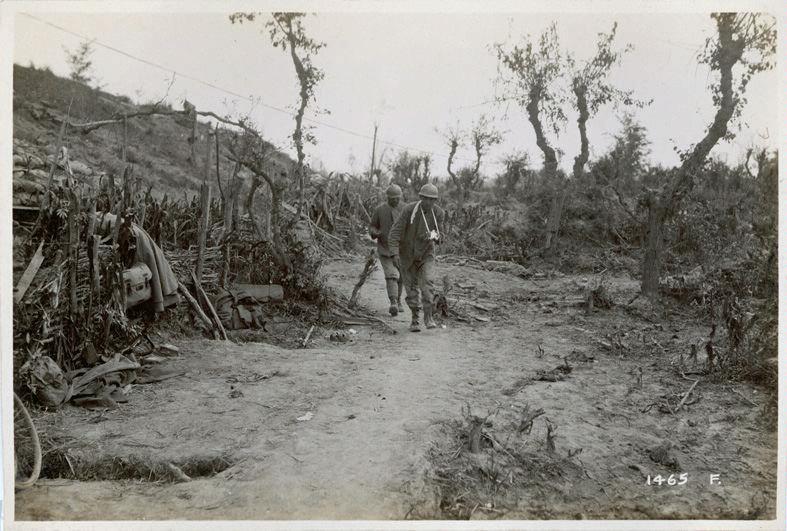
[374,428]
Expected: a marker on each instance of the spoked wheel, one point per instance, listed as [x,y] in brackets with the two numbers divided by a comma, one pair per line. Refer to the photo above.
[27,447]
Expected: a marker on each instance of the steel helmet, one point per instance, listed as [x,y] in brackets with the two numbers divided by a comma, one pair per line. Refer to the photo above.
[428,190]
[393,191]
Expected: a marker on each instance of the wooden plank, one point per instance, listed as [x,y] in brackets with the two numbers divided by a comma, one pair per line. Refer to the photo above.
[29,274]
[204,223]
[206,300]
[196,307]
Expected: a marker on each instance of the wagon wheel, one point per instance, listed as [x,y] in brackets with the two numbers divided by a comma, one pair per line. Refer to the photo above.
[27,447]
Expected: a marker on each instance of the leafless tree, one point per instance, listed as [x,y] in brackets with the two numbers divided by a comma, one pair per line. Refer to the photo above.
[482,137]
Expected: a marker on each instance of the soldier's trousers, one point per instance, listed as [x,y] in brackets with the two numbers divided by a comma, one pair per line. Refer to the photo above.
[417,276]
[393,280]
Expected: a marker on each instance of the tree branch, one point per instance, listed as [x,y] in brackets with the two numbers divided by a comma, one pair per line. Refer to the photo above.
[118,118]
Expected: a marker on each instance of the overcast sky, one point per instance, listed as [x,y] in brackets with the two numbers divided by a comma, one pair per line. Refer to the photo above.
[411,73]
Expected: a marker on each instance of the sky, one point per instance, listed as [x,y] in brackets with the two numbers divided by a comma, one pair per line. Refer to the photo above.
[414,74]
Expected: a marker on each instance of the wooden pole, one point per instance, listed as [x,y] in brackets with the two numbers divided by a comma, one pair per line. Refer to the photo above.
[29,274]
[204,221]
[119,210]
[218,173]
[368,268]
[196,307]
[211,309]
[193,140]
[73,251]
[208,145]
[374,146]
[230,200]
[125,139]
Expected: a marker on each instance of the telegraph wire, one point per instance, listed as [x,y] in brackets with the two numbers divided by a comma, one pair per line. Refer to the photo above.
[232,93]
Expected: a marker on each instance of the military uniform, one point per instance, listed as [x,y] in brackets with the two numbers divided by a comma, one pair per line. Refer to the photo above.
[383,219]
[413,238]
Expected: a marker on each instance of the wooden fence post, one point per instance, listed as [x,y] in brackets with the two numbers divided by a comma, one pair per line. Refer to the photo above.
[204,220]
[73,250]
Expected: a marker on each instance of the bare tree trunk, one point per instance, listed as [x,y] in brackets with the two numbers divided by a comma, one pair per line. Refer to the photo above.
[661,207]
[654,246]
[249,206]
[297,136]
[278,245]
[550,167]
[561,188]
[230,201]
[458,183]
[559,193]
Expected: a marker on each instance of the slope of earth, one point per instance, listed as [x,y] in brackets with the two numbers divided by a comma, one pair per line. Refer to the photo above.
[349,430]
[158,146]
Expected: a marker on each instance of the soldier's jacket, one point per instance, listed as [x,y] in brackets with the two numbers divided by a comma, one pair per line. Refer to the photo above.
[409,237]
[382,220]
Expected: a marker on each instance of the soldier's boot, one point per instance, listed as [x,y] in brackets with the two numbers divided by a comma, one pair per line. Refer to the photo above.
[428,321]
[415,325]
[399,296]
[391,286]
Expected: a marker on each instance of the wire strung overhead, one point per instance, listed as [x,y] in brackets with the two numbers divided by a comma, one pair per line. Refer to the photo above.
[232,93]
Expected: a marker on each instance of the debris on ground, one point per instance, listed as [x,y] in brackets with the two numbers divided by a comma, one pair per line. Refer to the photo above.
[483,472]
[557,374]
[663,454]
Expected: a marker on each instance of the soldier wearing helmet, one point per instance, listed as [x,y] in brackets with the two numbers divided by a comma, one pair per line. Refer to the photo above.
[382,220]
[412,241]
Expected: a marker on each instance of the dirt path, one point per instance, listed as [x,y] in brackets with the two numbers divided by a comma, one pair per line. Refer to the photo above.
[395,387]
[377,404]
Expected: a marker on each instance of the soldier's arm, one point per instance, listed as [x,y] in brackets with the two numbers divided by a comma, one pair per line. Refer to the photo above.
[439,217]
[396,232]
[374,226]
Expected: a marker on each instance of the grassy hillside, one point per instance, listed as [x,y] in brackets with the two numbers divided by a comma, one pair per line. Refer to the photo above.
[158,146]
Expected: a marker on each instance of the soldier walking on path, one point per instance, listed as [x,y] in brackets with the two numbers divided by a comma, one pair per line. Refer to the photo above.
[412,242]
[382,220]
